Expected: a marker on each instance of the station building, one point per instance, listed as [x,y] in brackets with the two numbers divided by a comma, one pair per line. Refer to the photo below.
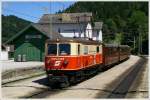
[29,44]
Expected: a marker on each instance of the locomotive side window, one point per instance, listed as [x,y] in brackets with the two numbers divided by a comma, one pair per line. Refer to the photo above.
[85,49]
[64,49]
[78,49]
[97,49]
[52,49]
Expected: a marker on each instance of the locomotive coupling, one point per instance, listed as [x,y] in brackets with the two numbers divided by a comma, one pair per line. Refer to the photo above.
[58,78]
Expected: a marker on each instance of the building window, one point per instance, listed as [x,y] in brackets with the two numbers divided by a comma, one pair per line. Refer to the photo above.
[58,30]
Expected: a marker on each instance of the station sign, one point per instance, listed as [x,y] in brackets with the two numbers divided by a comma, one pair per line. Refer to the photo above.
[33,36]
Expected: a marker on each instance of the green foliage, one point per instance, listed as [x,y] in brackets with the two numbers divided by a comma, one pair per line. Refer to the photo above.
[129,19]
[118,38]
[11,25]
[111,25]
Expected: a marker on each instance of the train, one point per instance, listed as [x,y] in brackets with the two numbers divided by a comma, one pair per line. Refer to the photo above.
[69,60]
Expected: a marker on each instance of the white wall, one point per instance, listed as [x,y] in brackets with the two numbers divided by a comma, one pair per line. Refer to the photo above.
[97,35]
[4,55]
[89,31]
[67,29]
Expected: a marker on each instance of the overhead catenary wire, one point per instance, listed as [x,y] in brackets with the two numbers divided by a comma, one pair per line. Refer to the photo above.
[50,21]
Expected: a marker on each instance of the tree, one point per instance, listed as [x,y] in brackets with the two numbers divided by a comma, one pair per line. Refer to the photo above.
[118,38]
[139,26]
[111,25]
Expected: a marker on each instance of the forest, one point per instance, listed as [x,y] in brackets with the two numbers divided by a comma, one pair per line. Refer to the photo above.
[11,25]
[124,22]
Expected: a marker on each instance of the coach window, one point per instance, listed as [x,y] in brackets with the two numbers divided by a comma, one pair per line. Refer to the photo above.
[97,49]
[110,51]
[64,49]
[78,49]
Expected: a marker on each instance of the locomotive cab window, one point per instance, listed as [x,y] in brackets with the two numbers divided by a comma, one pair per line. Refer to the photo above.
[52,49]
[64,49]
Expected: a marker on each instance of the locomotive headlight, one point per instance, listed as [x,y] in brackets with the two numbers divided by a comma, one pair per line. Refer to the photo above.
[65,62]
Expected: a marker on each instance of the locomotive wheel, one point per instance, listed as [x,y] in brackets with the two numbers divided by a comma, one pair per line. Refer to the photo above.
[52,84]
[72,79]
[64,84]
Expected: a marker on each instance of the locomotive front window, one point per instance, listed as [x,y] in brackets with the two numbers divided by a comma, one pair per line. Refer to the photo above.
[52,49]
[64,49]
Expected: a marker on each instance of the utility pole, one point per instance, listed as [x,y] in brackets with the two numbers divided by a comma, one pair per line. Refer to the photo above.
[140,42]
[134,42]
[51,21]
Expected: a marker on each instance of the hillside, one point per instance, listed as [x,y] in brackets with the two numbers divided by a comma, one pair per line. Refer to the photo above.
[12,25]
[124,22]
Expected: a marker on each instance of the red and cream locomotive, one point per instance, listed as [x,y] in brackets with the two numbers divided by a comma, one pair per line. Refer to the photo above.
[69,60]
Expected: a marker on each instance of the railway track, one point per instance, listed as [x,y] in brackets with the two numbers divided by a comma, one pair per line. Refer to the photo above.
[118,88]
[21,74]
[120,91]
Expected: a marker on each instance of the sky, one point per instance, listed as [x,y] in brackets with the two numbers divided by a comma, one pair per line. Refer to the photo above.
[32,11]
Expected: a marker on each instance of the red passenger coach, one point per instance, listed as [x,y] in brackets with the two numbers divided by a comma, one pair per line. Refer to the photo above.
[124,51]
[110,54]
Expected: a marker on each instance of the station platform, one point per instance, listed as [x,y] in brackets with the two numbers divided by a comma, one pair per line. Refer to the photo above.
[11,65]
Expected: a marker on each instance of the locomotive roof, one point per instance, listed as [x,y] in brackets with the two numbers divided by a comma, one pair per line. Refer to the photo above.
[76,40]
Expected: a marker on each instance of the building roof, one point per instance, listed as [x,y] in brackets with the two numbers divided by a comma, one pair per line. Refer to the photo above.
[47,30]
[66,18]
[43,28]
[45,23]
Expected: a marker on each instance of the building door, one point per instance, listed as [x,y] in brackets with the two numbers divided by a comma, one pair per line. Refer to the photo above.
[33,53]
